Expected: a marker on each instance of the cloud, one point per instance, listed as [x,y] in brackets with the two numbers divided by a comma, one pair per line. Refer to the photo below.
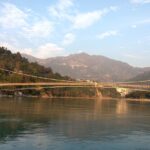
[107,34]
[84,20]
[9,46]
[142,22]
[42,28]
[45,51]
[132,56]
[42,51]
[114,8]
[12,17]
[68,39]
[140,1]
[64,10]
[146,21]
[61,9]
[134,26]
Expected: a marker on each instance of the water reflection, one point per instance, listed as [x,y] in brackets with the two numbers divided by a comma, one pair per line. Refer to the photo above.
[70,119]
[122,107]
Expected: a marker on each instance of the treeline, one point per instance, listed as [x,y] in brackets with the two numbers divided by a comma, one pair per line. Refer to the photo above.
[17,63]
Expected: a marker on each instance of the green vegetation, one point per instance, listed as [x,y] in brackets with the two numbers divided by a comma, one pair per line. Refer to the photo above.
[15,62]
[139,95]
[110,92]
[75,92]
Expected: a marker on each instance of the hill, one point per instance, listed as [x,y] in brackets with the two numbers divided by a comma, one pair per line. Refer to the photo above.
[143,76]
[93,67]
[19,64]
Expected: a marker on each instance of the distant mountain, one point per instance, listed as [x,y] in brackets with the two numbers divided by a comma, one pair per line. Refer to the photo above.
[142,76]
[93,67]
[31,58]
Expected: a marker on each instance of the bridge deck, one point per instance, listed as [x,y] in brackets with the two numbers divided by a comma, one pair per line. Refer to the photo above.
[77,84]
[45,84]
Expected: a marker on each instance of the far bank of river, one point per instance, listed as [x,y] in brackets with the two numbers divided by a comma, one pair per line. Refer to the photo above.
[76,92]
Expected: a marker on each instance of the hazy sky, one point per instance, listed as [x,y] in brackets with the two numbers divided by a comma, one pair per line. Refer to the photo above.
[119,29]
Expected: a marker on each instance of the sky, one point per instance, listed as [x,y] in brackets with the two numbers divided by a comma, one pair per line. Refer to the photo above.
[119,29]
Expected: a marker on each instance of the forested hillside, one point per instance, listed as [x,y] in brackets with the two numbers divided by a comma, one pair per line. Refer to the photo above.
[19,64]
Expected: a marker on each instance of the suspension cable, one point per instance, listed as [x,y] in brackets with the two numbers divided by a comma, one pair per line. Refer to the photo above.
[33,76]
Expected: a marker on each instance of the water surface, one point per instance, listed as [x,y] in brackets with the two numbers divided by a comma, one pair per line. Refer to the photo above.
[73,124]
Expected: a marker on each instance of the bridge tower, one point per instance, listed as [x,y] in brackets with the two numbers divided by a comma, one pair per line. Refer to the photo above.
[98,93]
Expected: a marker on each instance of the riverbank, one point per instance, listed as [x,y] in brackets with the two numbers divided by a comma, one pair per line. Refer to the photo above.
[81,98]
[76,92]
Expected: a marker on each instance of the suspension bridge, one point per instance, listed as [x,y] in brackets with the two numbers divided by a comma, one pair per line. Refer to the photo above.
[122,87]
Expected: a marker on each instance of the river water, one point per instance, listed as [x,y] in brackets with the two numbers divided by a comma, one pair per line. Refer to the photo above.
[74,124]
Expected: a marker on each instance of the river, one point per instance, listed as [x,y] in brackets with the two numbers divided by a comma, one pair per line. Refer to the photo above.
[74,124]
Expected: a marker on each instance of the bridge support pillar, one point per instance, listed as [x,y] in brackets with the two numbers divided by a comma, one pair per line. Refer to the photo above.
[98,93]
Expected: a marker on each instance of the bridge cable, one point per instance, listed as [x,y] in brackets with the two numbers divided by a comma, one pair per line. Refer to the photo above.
[33,76]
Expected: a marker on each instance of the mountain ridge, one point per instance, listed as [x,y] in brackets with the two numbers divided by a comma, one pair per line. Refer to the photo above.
[90,67]
[142,76]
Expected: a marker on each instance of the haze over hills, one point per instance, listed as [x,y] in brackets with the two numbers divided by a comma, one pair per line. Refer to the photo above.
[143,76]
[93,67]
